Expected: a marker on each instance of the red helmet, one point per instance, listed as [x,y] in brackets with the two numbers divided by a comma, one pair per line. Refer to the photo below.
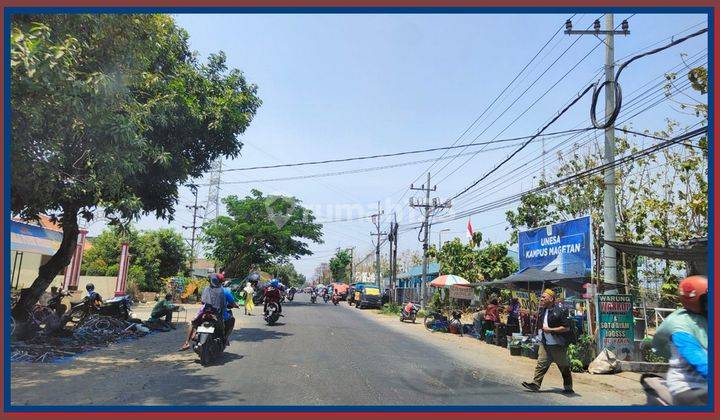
[691,291]
[220,276]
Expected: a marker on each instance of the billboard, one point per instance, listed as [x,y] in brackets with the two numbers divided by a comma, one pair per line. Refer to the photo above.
[563,247]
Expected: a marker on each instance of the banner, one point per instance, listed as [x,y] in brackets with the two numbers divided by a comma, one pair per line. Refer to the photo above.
[467,293]
[616,325]
[562,247]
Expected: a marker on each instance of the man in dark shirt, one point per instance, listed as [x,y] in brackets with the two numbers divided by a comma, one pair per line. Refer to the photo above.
[553,323]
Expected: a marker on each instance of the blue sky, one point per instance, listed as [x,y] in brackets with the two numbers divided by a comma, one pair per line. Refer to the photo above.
[344,85]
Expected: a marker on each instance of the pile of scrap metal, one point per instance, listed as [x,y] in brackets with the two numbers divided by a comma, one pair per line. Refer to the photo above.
[94,332]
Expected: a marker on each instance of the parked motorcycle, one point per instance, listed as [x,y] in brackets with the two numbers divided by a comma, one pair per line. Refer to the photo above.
[272,313]
[436,321]
[326,298]
[336,299]
[209,339]
[313,297]
[409,312]
[455,326]
[290,296]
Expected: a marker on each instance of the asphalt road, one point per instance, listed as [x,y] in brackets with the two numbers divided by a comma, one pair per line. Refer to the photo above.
[318,354]
[321,354]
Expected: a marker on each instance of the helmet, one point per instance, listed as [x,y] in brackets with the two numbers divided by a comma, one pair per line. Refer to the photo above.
[89,287]
[693,293]
[275,283]
[215,280]
[221,276]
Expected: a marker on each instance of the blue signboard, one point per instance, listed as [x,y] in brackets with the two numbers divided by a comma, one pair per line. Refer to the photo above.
[562,247]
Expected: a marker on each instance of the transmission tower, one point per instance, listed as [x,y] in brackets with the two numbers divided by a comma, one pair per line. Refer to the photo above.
[212,207]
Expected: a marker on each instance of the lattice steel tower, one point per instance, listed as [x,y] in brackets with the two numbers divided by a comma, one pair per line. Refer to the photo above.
[212,207]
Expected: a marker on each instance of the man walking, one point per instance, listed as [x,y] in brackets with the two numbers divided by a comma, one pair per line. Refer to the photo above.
[553,323]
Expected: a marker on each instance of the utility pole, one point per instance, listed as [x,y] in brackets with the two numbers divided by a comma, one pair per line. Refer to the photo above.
[393,238]
[609,199]
[427,208]
[194,227]
[352,255]
[376,221]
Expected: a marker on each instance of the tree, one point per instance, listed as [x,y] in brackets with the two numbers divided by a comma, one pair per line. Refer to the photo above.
[339,265]
[473,264]
[286,273]
[535,210]
[112,111]
[158,254]
[260,230]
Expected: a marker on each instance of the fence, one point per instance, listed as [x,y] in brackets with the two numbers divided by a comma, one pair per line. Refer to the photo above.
[402,295]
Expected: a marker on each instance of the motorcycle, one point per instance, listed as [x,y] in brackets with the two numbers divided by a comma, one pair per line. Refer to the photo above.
[272,313]
[290,296]
[655,390]
[326,298]
[313,297]
[336,299]
[209,339]
[117,307]
[436,321]
[455,326]
[410,312]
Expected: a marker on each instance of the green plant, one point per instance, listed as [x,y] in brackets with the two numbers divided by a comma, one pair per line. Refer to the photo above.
[391,308]
[436,302]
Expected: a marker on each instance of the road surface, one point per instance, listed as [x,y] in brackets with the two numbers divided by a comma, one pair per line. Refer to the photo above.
[318,354]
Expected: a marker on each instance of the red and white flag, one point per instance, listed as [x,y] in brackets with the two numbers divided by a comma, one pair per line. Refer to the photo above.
[469,229]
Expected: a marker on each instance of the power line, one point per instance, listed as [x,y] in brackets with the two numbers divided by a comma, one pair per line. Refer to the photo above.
[596,89]
[378,168]
[582,174]
[377,156]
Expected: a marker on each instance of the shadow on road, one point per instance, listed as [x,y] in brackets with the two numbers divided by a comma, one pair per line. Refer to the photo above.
[226,358]
[253,335]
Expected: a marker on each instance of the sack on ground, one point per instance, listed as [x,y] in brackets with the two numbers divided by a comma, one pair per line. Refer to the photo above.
[606,362]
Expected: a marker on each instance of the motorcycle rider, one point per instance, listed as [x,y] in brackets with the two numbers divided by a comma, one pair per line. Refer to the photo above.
[228,315]
[271,294]
[682,338]
[213,299]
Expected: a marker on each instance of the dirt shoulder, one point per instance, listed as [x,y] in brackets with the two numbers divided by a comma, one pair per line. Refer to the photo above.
[619,389]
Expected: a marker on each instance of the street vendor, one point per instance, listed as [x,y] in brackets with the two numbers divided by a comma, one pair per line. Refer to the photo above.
[163,309]
[491,316]
[513,321]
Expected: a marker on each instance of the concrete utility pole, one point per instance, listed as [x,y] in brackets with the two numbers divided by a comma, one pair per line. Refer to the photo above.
[352,255]
[376,221]
[194,226]
[609,199]
[427,208]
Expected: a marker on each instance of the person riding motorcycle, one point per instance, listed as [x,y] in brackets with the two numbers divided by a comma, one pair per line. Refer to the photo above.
[228,317]
[213,299]
[271,294]
[682,338]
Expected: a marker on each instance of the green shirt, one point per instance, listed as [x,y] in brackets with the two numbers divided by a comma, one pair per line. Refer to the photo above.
[160,307]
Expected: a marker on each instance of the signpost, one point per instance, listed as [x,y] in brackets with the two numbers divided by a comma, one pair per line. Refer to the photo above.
[616,325]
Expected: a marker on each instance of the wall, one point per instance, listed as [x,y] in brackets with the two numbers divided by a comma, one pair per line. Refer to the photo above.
[28,272]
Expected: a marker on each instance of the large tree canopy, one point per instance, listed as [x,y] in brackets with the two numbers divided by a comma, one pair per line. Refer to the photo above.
[260,230]
[113,111]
